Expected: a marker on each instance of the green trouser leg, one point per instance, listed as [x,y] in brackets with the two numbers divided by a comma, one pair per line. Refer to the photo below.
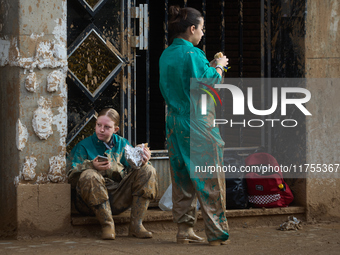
[185,152]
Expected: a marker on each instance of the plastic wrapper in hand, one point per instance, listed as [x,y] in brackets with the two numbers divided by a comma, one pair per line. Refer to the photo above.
[134,156]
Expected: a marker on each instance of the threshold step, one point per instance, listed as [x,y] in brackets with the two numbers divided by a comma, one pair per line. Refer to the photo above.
[153,215]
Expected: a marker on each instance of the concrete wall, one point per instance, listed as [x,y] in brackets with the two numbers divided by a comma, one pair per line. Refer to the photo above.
[33,69]
[323,137]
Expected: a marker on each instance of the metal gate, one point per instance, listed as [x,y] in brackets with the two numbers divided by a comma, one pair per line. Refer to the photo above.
[102,45]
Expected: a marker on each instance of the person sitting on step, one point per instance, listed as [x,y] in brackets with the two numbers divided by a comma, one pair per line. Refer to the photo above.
[106,187]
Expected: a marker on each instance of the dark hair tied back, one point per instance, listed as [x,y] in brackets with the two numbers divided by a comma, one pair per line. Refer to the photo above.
[182,18]
[177,14]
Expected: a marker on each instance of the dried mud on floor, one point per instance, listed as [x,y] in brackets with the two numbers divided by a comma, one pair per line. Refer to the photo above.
[312,239]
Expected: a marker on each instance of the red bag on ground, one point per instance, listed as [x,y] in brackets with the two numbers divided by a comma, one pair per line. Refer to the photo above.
[268,190]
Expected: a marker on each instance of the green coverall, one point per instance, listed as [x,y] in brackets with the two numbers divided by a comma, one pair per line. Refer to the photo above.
[118,185]
[192,139]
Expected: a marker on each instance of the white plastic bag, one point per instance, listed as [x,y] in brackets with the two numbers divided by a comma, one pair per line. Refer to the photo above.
[166,201]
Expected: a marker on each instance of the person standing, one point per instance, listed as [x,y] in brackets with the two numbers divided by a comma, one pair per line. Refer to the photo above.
[188,132]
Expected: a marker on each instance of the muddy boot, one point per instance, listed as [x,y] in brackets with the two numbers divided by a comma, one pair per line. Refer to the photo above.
[187,235]
[138,209]
[104,216]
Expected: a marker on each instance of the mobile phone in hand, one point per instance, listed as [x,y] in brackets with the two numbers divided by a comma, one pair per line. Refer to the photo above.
[102,159]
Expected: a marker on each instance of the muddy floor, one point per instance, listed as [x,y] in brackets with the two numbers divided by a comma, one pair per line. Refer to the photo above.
[323,238]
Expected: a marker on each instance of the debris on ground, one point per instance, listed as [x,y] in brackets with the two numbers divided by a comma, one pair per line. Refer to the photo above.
[291,224]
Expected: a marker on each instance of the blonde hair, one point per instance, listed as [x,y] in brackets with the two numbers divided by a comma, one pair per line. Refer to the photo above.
[111,113]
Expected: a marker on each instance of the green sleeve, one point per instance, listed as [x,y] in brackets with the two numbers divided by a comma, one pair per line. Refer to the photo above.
[77,155]
[201,69]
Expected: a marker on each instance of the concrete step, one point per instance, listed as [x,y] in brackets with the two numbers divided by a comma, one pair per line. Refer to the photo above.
[156,215]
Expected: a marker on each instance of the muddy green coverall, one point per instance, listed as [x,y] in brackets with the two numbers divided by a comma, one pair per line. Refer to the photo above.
[118,185]
[192,139]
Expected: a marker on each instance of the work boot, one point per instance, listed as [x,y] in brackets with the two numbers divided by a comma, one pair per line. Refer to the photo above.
[187,235]
[138,209]
[104,216]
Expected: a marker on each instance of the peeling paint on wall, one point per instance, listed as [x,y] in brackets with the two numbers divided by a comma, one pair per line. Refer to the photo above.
[48,55]
[42,119]
[53,80]
[45,53]
[60,31]
[21,136]
[57,172]
[59,51]
[42,179]
[36,36]
[31,82]
[28,169]
[60,119]
[27,172]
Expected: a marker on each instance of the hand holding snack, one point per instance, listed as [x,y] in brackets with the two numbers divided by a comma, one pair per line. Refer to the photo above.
[221,60]
[138,156]
[218,55]
[146,155]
